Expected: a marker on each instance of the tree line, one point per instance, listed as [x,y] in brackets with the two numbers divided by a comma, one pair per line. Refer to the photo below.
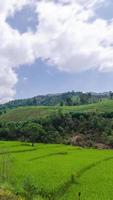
[91,128]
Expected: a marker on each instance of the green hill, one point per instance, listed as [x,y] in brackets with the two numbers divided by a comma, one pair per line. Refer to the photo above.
[35,112]
[67,99]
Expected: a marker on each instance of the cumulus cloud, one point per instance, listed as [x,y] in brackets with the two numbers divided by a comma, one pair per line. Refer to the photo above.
[69,36]
[72,38]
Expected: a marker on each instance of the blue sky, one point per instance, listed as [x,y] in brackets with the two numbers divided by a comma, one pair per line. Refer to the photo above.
[43,80]
[61,74]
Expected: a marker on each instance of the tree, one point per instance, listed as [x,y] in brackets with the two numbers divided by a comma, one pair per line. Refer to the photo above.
[35,132]
[69,101]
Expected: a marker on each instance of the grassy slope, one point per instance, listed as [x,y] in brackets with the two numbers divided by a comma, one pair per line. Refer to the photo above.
[33,112]
[53,165]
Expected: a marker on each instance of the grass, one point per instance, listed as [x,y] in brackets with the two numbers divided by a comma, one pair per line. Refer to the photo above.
[62,171]
[96,183]
[35,112]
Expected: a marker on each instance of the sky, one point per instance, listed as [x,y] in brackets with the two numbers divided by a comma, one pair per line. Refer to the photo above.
[52,46]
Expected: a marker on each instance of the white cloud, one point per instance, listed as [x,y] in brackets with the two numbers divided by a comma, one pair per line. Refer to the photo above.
[15,49]
[71,40]
[69,37]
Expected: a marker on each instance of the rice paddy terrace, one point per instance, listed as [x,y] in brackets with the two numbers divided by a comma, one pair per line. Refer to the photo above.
[60,172]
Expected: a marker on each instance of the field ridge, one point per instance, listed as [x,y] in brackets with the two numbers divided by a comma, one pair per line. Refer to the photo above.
[74,179]
[49,155]
[17,151]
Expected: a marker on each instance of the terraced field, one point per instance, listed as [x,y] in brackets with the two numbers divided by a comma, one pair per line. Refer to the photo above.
[61,172]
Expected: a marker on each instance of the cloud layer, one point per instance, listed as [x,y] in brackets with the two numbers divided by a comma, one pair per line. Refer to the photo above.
[69,37]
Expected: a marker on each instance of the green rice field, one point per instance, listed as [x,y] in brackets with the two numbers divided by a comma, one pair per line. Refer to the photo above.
[60,172]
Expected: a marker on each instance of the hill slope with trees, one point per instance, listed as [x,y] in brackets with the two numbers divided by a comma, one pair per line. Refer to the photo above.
[84,119]
[88,125]
[63,99]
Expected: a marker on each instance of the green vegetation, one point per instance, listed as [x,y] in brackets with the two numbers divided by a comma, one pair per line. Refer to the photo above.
[58,172]
[27,113]
[35,112]
[63,99]
[85,125]
[30,170]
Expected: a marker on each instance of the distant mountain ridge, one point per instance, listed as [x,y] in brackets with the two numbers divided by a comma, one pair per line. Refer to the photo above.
[68,98]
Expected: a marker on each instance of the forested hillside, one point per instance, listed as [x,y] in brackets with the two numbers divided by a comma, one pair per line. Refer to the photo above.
[67,99]
[83,125]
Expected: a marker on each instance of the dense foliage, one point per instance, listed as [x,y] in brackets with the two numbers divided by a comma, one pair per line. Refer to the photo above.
[62,128]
